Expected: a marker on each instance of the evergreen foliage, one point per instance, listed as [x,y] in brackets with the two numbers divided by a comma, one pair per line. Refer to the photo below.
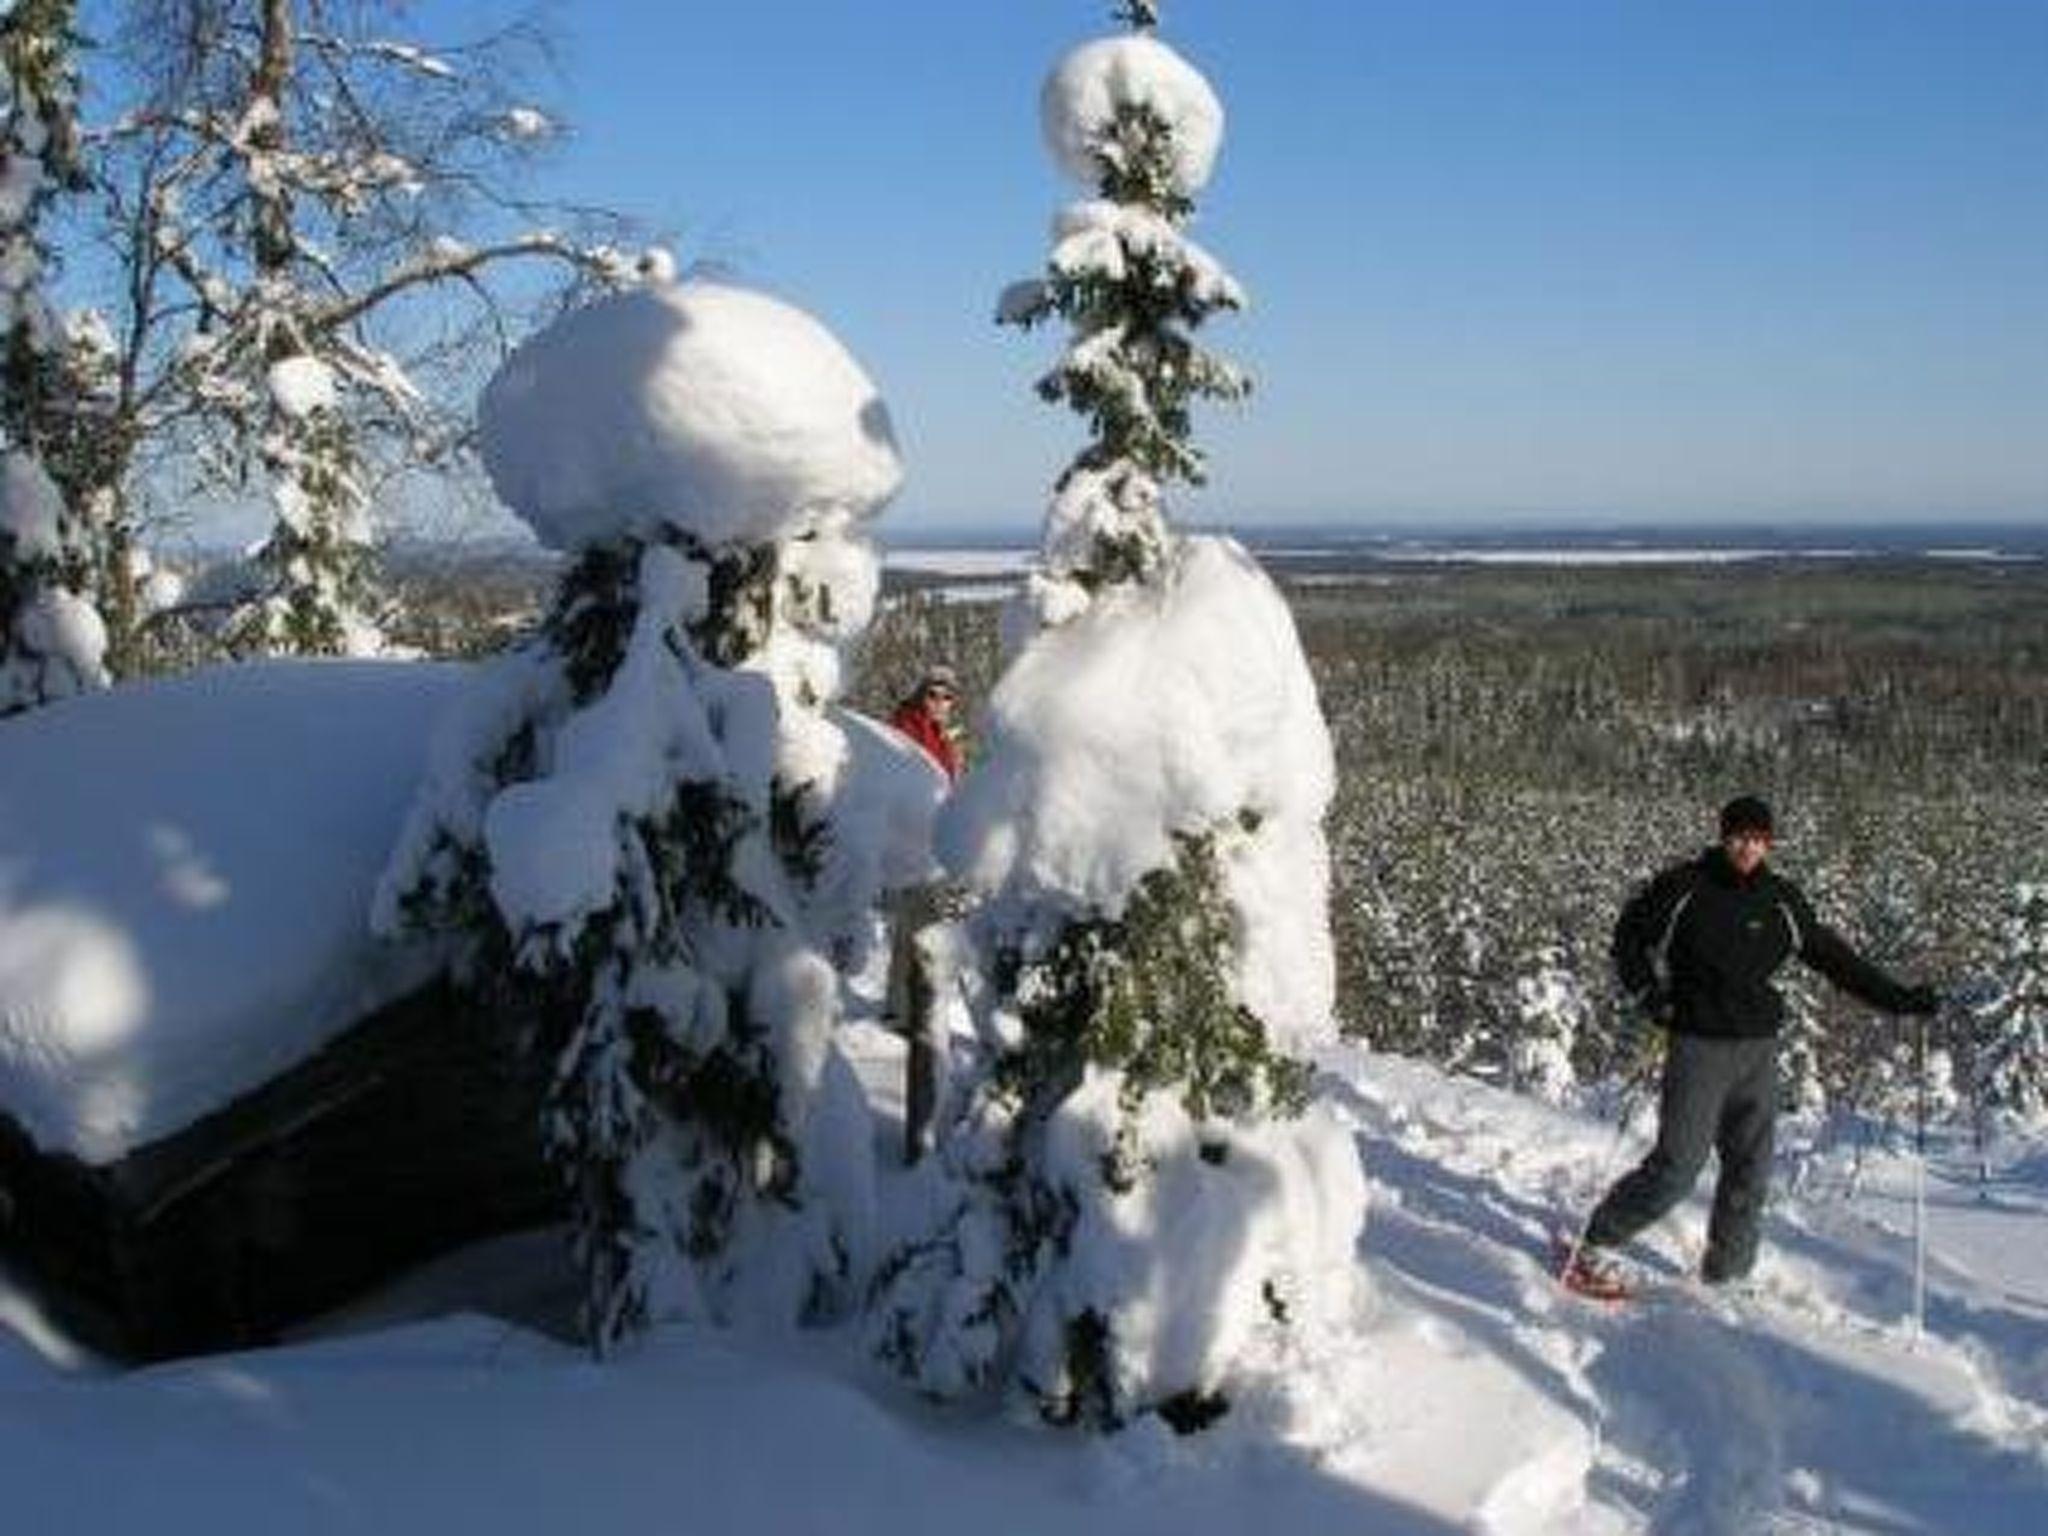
[52,638]
[1551,1009]
[1131,288]
[2011,1070]
[1520,749]
[1802,1054]
[669,1014]
[1120,1058]
[314,591]
[1143,995]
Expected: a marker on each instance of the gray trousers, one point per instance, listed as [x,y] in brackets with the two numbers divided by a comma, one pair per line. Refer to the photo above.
[1718,1095]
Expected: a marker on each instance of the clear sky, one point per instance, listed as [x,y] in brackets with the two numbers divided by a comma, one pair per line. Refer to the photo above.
[1575,260]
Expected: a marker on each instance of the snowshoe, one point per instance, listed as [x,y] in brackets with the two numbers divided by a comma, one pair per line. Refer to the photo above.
[1590,1272]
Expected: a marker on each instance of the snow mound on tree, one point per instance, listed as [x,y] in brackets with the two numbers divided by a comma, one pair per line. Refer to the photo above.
[1083,94]
[698,407]
[1164,710]
[184,867]
[1235,1229]
[31,510]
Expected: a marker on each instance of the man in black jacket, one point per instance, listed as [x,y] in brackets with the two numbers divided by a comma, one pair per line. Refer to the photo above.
[1695,950]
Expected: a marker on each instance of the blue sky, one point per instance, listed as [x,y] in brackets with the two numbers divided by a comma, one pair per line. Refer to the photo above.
[1569,260]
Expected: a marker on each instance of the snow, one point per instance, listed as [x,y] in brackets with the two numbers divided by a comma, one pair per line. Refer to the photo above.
[698,407]
[21,178]
[1081,97]
[183,946]
[980,564]
[31,508]
[1100,238]
[64,639]
[1469,1394]
[1160,710]
[1091,507]
[185,869]
[1183,1259]
[410,57]
[886,793]
[302,385]
[527,123]
[555,843]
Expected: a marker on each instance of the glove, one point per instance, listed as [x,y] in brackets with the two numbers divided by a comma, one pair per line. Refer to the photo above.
[1920,1000]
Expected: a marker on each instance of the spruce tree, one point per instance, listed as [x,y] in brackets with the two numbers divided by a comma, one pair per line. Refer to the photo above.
[1551,1012]
[1132,289]
[1138,1044]
[2009,1077]
[633,825]
[1802,1057]
[52,639]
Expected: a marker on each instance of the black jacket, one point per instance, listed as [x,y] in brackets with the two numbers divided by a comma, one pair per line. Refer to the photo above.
[1721,938]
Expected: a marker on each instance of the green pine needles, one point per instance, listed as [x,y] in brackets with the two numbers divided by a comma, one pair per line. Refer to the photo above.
[1132,300]
[317,569]
[1141,15]
[665,1110]
[1132,289]
[1150,994]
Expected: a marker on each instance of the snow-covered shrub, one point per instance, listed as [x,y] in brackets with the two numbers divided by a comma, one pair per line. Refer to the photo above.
[646,818]
[1133,1190]
[1551,1010]
[1802,1059]
[2010,1072]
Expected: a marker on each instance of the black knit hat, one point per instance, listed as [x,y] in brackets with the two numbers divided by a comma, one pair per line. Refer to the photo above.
[1745,813]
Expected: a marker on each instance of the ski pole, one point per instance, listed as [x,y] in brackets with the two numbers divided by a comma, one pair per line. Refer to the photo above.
[1968,997]
[1632,1096]
[1920,1176]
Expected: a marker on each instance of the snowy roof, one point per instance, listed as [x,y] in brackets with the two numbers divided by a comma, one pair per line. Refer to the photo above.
[699,406]
[185,875]
[1081,96]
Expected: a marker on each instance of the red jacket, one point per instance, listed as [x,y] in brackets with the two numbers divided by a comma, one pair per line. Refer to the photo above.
[916,722]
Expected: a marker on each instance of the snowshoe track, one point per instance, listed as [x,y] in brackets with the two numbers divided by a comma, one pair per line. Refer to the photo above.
[1711,1411]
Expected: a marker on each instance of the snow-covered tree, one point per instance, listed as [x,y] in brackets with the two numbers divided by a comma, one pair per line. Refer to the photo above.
[312,227]
[1132,119]
[1133,1190]
[52,640]
[653,832]
[1802,1057]
[1475,1021]
[2010,1062]
[1551,1011]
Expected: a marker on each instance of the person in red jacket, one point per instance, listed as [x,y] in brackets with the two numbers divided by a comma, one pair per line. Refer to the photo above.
[927,718]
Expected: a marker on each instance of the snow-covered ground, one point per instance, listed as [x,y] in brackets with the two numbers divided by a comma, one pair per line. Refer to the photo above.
[1469,1396]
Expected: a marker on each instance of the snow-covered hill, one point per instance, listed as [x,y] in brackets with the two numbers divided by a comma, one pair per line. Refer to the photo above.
[1470,1396]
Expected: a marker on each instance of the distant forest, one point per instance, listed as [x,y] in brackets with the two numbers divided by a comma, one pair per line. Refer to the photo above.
[1519,746]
